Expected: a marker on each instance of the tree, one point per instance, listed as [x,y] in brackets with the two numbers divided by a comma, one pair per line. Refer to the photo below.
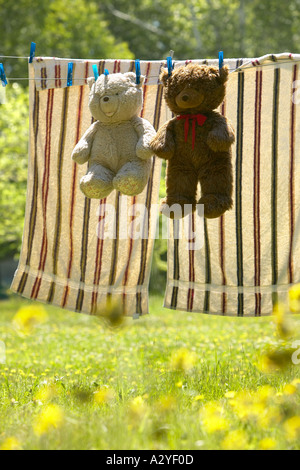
[200,28]
[14,124]
[68,28]
[272,26]
[147,29]
[152,28]
[61,28]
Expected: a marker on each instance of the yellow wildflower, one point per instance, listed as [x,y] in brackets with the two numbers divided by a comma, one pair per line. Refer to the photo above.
[290,389]
[270,415]
[292,427]
[212,417]
[284,329]
[46,393]
[267,444]
[11,443]
[199,397]
[28,317]
[183,360]
[244,406]
[265,392]
[235,440]
[166,404]
[104,395]
[51,417]
[296,382]
[255,407]
[138,409]
[230,394]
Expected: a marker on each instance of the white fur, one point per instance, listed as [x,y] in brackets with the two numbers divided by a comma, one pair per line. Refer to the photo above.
[117,144]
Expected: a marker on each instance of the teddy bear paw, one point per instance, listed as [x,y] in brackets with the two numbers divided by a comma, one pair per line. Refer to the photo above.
[80,154]
[215,205]
[176,209]
[144,153]
[129,185]
[219,144]
[95,188]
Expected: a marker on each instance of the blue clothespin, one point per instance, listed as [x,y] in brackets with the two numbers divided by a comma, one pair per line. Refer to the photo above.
[106,72]
[70,74]
[2,75]
[170,65]
[138,71]
[32,52]
[221,59]
[96,73]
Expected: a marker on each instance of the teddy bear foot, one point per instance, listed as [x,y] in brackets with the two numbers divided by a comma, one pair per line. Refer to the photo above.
[129,185]
[215,205]
[94,188]
[176,209]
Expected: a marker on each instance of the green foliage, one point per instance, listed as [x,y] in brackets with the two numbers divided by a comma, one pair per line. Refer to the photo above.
[200,28]
[158,278]
[81,30]
[147,385]
[13,168]
[61,28]
[272,26]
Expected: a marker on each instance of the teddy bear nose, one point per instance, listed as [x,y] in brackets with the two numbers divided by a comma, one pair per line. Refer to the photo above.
[106,98]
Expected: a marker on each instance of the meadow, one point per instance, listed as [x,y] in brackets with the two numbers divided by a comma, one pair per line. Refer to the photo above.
[169,380]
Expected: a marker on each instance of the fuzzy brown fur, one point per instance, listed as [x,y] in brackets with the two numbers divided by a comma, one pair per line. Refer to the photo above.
[196,89]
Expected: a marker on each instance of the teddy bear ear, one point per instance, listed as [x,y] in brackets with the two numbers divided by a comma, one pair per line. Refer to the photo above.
[91,82]
[132,77]
[164,76]
[224,73]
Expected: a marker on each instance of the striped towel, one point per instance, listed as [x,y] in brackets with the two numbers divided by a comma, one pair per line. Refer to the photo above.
[250,256]
[65,260]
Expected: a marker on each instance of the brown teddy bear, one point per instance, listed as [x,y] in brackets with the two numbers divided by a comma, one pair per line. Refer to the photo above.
[197,141]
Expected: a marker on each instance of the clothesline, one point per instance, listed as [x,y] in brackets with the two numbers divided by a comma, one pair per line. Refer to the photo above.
[12,57]
[240,68]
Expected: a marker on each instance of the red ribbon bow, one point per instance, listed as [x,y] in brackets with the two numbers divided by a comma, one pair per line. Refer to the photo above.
[199,118]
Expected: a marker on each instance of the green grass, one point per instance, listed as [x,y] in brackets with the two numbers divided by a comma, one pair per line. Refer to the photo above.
[76,355]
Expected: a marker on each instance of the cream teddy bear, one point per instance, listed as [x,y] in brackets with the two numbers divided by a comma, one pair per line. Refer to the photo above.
[116,145]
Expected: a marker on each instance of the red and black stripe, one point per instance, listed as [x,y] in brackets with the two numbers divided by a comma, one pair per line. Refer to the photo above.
[256,190]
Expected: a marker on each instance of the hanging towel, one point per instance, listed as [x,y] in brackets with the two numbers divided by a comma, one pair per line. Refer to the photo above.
[250,256]
[65,259]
